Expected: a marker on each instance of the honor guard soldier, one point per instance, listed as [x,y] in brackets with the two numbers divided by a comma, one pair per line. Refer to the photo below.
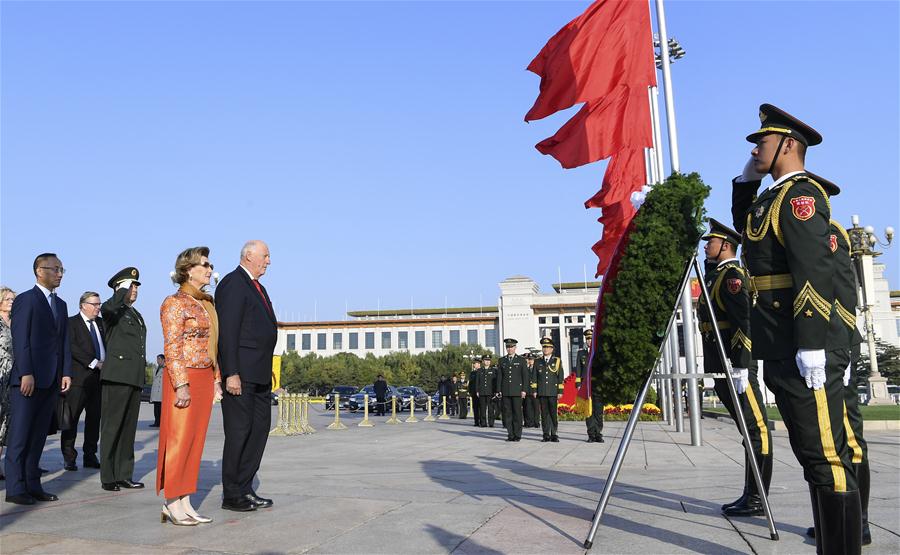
[531,407]
[473,390]
[728,288]
[462,395]
[549,374]
[594,422]
[513,381]
[485,392]
[786,246]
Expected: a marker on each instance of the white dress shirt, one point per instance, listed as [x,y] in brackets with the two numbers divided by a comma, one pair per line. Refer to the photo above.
[90,323]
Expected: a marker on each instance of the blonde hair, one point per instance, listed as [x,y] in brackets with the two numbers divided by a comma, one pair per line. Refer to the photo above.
[186,260]
[4,290]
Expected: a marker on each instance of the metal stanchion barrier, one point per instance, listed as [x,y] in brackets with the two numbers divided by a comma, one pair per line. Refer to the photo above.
[336,425]
[279,428]
[393,419]
[293,414]
[365,421]
[444,416]
[471,408]
[429,418]
[304,407]
[412,410]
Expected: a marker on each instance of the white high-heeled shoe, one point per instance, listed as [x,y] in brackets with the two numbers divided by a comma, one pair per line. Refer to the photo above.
[167,515]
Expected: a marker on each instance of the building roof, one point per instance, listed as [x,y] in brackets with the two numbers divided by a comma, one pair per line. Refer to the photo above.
[560,287]
[389,313]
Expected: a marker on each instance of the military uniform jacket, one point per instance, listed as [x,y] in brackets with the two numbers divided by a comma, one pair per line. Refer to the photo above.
[842,326]
[486,381]
[729,290]
[513,378]
[786,249]
[581,362]
[549,377]
[126,340]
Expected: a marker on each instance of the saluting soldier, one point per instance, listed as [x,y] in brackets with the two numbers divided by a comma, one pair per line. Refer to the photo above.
[473,390]
[485,392]
[530,406]
[462,395]
[788,255]
[513,380]
[549,379]
[594,422]
[728,288]
[121,380]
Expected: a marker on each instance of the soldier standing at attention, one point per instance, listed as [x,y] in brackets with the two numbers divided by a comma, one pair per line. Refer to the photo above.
[531,408]
[513,381]
[728,288]
[594,422]
[786,244]
[485,390]
[548,370]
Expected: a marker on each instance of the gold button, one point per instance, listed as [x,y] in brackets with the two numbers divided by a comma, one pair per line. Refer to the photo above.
[776,304]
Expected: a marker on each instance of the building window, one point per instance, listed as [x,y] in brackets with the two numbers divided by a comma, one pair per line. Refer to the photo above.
[581,319]
[305,341]
[472,337]
[370,340]
[555,320]
[454,338]
[490,339]
[291,342]
[321,342]
[542,320]
[337,341]
[420,339]
[437,339]
[354,340]
[385,340]
[569,320]
[402,340]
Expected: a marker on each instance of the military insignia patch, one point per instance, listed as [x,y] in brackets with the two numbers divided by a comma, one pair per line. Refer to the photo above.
[832,242]
[760,211]
[803,208]
[734,285]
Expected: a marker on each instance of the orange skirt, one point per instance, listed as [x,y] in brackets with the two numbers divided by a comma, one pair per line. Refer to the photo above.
[182,433]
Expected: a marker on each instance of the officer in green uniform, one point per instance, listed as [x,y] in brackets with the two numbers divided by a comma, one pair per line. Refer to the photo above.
[594,422]
[531,408]
[462,395]
[787,250]
[843,324]
[728,288]
[485,392]
[513,381]
[549,379]
[473,390]
[121,380]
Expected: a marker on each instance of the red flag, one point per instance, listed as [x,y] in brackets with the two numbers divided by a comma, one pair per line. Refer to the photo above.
[606,46]
[569,392]
[603,127]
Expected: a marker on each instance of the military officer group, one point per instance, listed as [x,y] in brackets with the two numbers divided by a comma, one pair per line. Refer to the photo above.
[789,301]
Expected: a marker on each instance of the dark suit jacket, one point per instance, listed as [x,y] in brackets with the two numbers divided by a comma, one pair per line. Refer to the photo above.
[83,348]
[40,344]
[247,329]
[126,340]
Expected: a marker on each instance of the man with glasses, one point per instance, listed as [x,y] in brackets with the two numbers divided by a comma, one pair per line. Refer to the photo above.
[41,369]
[87,337]
[122,378]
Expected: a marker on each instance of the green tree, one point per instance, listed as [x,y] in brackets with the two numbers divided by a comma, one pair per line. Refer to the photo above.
[888,357]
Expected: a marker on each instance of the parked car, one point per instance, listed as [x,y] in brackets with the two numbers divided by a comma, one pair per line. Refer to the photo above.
[406,393]
[357,400]
[345,391]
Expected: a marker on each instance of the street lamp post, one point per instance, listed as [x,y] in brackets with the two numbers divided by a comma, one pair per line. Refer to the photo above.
[862,239]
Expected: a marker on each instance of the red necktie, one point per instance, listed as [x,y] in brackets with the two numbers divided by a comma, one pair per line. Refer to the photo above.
[265,302]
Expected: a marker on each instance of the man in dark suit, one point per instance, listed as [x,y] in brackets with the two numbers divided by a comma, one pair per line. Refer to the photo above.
[88,344]
[247,335]
[381,389]
[122,378]
[41,369]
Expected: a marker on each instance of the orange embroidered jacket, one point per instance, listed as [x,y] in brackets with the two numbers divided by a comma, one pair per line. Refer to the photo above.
[185,326]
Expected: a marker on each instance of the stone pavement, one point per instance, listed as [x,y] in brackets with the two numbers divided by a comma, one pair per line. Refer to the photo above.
[440,487]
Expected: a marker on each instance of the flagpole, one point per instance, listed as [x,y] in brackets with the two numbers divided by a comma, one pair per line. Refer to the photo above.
[667,80]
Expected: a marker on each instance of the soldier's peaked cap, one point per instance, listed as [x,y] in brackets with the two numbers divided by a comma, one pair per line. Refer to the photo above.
[831,189]
[546,342]
[509,342]
[486,357]
[122,275]
[722,231]
[775,120]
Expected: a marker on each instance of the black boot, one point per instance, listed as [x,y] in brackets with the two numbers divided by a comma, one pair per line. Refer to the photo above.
[862,477]
[748,477]
[840,515]
[813,532]
[752,504]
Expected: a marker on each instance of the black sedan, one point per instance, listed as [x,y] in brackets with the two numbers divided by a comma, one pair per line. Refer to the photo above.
[407,393]
[345,392]
[357,400]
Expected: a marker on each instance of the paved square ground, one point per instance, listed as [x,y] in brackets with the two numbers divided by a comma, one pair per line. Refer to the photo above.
[446,486]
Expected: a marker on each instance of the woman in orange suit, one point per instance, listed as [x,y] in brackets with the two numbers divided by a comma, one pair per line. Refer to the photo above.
[191,383]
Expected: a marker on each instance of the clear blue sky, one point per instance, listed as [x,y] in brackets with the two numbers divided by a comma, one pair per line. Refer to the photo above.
[379,148]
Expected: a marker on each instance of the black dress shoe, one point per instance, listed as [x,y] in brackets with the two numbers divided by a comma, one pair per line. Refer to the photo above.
[239,504]
[752,506]
[91,463]
[44,496]
[811,532]
[23,499]
[545,440]
[591,440]
[70,466]
[601,440]
[554,439]
[510,439]
[258,502]
[739,501]
[110,486]
[129,484]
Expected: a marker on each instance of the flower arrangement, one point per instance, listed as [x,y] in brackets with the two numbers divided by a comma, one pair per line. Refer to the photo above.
[612,413]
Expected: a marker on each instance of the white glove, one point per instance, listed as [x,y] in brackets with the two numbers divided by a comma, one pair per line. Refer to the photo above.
[741,379]
[811,363]
[847,375]
[125,284]
[749,173]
